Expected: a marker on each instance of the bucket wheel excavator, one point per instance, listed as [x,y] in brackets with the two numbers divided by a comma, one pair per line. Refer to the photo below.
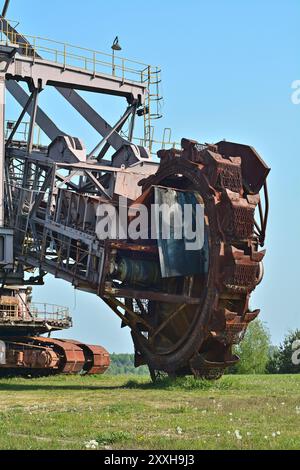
[186,308]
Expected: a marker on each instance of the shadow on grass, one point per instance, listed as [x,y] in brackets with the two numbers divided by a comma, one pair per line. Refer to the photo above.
[14,387]
[179,383]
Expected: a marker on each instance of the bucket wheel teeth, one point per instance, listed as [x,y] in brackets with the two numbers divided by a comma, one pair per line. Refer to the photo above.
[223,176]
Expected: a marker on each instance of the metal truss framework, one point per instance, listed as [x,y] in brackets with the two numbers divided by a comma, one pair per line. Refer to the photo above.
[21,62]
[51,200]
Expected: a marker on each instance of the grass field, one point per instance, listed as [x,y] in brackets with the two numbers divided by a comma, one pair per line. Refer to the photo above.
[121,412]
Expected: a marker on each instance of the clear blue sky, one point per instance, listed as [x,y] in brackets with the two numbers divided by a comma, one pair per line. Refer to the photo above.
[227,73]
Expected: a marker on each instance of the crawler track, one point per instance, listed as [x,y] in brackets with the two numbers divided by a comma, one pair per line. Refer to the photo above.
[40,356]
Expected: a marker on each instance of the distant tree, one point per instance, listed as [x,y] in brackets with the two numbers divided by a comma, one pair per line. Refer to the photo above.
[253,350]
[286,358]
[124,364]
[272,365]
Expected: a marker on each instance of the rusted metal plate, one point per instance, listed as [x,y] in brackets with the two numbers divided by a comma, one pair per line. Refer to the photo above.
[72,360]
[254,169]
[101,359]
[97,359]
[126,184]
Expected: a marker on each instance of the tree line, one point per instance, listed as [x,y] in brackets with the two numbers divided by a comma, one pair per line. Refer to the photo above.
[256,352]
[259,356]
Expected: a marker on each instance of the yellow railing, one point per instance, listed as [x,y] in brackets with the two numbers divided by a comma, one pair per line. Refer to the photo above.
[152,103]
[155,145]
[70,55]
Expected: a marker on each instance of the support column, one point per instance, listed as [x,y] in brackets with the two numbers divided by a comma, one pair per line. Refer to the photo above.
[132,123]
[35,95]
[27,166]
[6,234]
[2,147]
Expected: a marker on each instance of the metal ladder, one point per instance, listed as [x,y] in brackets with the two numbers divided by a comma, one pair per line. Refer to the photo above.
[151,76]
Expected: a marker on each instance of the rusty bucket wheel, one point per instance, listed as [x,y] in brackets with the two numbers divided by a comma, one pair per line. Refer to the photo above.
[203,343]
[176,358]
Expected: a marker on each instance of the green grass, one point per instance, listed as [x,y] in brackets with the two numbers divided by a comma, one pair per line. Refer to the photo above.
[122,412]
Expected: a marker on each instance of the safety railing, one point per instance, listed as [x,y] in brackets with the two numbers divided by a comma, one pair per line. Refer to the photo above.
[70,55]
[23,131]
[155,145]
[35,312]
[49,312]
[92,61]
